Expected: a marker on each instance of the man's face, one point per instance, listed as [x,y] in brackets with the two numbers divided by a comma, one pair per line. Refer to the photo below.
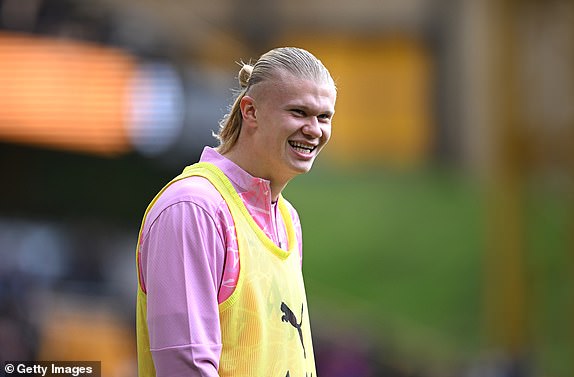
[293,118]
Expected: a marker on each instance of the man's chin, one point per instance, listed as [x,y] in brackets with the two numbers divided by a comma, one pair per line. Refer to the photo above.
[303,168]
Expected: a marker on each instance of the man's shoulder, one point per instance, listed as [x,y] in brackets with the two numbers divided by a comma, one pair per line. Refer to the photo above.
[196,191]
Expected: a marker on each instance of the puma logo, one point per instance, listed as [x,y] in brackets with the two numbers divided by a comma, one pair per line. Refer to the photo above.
[289,316]
[306,375]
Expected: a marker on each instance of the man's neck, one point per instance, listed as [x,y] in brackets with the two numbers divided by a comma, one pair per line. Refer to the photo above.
[253,168]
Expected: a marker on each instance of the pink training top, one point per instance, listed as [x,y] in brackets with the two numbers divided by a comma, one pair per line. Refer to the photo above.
[189,264]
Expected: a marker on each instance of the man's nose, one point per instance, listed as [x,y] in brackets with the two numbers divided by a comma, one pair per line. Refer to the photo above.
[312,127]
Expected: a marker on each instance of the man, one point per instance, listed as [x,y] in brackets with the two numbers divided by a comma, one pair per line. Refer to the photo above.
[220,288]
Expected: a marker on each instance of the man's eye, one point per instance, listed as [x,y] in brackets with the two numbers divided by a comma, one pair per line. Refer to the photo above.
[298,112]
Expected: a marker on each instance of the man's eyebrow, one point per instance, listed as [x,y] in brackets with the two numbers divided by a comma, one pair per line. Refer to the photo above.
[308,109]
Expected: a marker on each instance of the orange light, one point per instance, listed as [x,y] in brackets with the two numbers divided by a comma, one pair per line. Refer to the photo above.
[64,94]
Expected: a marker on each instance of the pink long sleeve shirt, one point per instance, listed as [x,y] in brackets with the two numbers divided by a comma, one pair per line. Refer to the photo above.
[189,264]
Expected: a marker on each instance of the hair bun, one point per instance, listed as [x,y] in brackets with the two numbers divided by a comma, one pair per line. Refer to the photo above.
[244,75]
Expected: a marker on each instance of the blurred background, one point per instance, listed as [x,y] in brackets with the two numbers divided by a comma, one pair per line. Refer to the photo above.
[438,224]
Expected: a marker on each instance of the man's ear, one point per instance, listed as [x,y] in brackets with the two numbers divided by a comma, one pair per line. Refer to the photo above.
[248,110]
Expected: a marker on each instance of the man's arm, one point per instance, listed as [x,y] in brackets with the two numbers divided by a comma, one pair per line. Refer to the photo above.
[182,261]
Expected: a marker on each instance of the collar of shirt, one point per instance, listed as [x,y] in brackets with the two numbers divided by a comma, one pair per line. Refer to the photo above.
[255,193]
[242,181]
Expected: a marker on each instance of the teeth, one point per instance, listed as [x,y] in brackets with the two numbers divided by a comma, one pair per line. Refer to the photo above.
[304,147]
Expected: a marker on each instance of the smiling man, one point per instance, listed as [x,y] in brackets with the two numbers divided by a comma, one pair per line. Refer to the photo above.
[220,288]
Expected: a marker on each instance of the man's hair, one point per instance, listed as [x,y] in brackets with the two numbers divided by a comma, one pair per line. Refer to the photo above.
[296,61]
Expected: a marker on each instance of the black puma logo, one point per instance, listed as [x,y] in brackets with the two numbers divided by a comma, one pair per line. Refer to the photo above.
[288,316]
[306,375]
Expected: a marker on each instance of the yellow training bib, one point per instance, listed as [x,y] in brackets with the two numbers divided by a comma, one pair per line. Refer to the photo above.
[265,325]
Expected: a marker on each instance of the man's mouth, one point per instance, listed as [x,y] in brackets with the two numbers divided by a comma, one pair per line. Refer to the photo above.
[301,147]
